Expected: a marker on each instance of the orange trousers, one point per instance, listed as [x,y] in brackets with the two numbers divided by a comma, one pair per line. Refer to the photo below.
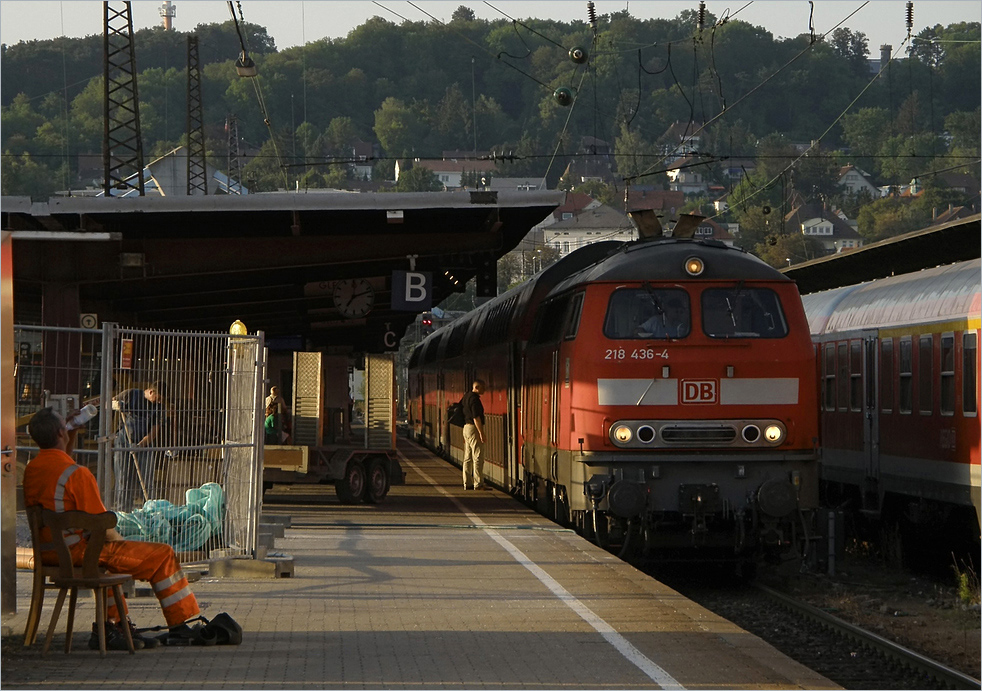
[146,561]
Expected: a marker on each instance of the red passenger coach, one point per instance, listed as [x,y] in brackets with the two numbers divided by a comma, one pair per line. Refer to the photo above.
[899,364]
[659,393]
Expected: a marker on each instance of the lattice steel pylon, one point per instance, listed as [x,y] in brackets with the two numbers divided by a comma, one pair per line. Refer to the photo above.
[234,183]
[197,168]
[122,142]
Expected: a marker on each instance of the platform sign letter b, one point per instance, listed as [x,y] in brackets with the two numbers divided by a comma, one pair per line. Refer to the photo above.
[411,290]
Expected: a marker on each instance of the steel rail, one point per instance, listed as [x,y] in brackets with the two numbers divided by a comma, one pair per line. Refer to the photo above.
[952,678]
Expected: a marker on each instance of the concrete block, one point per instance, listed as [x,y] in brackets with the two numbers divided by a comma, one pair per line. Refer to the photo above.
[270,567]
[285,521]
[277,529]
[241,568]
[265,538]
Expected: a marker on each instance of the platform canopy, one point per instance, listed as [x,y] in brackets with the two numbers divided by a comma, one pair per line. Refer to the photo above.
[920,249]
[271,261]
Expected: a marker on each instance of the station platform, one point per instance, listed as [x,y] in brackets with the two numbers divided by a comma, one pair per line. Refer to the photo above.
[435,588]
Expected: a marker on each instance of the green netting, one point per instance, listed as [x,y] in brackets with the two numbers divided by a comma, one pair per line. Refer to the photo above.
[184,528]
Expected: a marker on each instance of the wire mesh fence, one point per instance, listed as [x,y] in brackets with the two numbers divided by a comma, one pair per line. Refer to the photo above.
[176,448]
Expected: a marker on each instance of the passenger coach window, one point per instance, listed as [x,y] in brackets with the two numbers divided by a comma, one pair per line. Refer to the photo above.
[648,313]
[886,376]
[842,376]
[855,376]
[829,372]
[906,376]
[742,313]
[970,406]
[948,375]
[925,374]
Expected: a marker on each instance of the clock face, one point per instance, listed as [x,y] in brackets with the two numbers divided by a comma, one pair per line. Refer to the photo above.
[354,297]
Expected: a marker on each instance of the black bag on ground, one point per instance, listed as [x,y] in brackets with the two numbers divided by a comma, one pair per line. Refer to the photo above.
[455,413]
[226,629]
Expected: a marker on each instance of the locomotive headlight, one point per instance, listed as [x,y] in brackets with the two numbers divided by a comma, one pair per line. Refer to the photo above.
[622,434]
[694,266]
[774,434]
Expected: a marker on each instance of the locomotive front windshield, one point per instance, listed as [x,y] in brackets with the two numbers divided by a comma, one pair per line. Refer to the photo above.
[648,312]
[742,313]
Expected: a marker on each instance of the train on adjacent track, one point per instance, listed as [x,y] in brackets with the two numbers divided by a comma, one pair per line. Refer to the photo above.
[898,365]
[657,395]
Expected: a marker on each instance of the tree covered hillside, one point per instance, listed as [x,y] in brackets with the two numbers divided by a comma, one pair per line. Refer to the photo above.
[418,89]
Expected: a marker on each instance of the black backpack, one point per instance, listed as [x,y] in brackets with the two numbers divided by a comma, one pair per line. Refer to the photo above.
[455,413]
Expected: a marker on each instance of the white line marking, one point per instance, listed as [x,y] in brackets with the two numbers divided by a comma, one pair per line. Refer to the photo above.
[621,644]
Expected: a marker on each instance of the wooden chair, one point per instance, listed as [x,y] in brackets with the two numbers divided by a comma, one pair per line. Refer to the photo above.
[43,576]
[87,575]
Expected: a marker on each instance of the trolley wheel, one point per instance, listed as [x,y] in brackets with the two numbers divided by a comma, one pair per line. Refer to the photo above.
[377,481]
[351,488]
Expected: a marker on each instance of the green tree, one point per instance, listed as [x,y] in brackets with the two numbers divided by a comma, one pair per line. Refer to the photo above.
[601,191]
[398,127]
[418,179]
[797,247]
[340,135]
[23,176]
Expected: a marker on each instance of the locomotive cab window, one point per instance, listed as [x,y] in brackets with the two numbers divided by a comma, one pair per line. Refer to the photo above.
[742,313]
[551,323]
[575,312]
[648,313]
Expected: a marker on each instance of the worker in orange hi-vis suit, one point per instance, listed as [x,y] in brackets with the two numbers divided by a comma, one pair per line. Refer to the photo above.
[53,480]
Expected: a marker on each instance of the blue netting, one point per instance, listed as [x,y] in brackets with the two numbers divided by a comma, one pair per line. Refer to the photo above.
[184,528]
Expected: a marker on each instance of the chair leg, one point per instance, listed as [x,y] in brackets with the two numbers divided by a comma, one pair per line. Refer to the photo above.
[100,618]
[71,620]
[54,620]
[34,615]
[118,597]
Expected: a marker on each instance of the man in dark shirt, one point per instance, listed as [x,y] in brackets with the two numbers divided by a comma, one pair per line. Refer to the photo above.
[142,423]
[474,437]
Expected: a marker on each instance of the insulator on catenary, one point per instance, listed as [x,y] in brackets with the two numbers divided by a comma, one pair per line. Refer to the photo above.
[910,16]
[702,15]
[592,14]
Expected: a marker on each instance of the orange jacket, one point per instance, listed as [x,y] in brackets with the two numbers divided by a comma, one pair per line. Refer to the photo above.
[56,482]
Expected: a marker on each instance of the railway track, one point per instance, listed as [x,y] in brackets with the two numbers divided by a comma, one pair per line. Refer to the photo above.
[917,663]
[842,652]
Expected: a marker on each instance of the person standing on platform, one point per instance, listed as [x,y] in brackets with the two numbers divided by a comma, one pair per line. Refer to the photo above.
[473,465]
[56,482]
[143,417]
[283,412]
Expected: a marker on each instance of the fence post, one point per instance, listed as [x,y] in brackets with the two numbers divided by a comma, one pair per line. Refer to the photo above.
[106,410]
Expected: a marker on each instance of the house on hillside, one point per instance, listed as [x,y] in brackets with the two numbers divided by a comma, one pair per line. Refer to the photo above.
[680,139]
[960,182]
[664,203]
[364,155]
[857,181]
[685,175]
[450,172]
[822,224]
[591,225]
[594,161]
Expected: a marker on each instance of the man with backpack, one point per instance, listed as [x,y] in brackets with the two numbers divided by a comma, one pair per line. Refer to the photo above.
[473,437]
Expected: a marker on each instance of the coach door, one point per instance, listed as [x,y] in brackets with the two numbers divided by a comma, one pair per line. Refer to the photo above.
[871,419]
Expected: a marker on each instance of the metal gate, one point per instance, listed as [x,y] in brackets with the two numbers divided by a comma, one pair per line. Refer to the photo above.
[176,447]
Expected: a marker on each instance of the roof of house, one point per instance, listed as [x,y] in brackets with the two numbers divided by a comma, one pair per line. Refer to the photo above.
[801,214]
[455,166]
[658,200]
[959,181]
[597,218]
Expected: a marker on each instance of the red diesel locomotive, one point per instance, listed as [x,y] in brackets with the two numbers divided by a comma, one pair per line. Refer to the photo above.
[657,394]
[899,371]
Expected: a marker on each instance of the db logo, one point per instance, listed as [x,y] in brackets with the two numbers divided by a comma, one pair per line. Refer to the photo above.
[699,391]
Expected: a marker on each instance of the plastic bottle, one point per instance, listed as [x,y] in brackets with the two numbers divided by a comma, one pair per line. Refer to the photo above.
[80,418]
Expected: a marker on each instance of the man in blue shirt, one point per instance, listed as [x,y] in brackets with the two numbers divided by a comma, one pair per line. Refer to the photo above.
[133,461]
